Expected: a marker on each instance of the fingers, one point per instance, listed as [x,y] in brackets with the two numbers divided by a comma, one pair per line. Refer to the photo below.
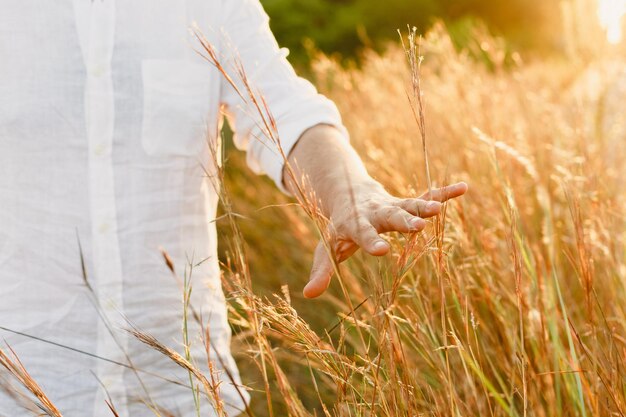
[360,226]
[396,219]
[321,273]
[429,204]
[366,236]
[445,193]
[420,208]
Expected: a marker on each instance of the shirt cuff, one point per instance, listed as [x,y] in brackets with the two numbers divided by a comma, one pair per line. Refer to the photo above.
[290,129]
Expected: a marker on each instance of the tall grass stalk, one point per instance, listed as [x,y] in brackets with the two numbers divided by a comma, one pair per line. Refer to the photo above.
[508,305]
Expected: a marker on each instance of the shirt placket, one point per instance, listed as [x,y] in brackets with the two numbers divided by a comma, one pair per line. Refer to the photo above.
[100,119]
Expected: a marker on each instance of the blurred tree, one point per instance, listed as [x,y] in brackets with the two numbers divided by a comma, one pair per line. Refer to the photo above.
[331,24]
[526,23]
[345,26]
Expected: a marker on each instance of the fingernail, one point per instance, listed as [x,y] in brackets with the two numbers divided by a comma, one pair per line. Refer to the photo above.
[380,245]
[416,222]
[306,291]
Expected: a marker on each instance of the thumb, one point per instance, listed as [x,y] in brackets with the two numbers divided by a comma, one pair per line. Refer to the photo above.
[321,272]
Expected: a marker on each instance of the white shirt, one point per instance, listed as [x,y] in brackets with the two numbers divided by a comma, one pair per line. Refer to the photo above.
[107,116]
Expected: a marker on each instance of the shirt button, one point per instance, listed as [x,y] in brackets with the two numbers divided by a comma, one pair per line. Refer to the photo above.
[104,227]
[100,149]
[98,70]
[110,306]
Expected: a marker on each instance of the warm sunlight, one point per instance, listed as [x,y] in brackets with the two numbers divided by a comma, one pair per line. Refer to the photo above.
[611,13]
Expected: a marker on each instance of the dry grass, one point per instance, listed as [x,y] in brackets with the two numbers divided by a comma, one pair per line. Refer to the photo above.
[34,395]
[509,304]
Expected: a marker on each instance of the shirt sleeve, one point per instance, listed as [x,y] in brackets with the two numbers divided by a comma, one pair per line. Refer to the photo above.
[294,102]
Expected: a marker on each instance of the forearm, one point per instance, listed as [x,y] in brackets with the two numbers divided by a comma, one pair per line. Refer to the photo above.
[326,166]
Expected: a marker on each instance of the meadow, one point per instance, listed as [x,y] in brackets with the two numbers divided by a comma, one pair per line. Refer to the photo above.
[510,303]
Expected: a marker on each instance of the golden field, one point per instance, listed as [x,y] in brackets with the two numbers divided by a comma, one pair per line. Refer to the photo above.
[511,304]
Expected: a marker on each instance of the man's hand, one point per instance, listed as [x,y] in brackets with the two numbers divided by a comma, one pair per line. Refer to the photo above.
[358,207]
[358,220]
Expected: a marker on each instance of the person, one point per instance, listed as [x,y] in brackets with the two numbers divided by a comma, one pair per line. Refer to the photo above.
[104,112]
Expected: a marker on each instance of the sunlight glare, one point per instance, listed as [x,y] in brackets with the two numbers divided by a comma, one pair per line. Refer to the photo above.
[610,13]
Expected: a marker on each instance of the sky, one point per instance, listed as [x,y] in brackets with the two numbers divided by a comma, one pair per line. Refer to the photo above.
[611,14]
